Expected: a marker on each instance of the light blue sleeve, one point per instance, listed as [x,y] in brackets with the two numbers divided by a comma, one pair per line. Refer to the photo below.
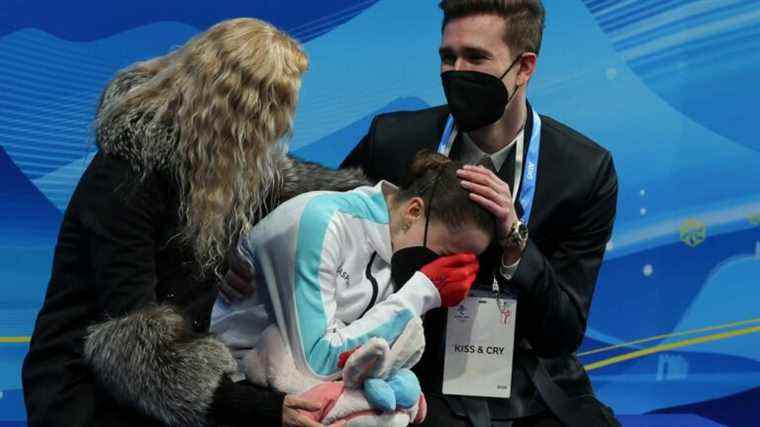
[323,338]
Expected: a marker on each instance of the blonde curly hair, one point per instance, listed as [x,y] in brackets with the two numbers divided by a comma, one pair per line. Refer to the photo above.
[212,113]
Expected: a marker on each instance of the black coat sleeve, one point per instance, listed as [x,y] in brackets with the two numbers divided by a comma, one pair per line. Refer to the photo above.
[145,354]
[239,404]
[123,214]
[556,291]
[361,155]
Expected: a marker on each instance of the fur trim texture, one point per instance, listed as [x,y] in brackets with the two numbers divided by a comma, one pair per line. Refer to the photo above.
[300,176]
[119,135]
[151,360]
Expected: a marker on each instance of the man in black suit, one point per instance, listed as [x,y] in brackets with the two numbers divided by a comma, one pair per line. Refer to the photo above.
[553,234]
[553,191]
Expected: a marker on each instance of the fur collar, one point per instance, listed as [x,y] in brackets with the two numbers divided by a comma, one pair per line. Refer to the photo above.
[123,136]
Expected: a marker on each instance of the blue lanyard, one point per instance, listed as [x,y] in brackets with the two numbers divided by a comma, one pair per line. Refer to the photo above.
[530,169]
[444,147]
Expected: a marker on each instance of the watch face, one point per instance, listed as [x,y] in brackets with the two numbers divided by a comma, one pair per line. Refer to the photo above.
[522,230]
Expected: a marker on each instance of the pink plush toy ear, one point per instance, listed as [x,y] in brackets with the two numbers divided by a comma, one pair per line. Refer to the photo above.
[326,394]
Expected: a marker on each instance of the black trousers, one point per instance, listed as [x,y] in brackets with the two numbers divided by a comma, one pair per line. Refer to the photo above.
[440,415]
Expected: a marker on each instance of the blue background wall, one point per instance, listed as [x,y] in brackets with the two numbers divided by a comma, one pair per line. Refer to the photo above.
[669,86]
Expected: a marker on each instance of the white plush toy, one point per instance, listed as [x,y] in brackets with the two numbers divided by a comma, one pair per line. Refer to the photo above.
[377,387]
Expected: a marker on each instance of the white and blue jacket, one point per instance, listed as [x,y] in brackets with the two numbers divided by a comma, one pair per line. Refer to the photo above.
[323,275]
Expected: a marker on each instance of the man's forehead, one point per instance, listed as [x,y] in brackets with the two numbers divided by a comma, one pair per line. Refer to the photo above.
[481,31]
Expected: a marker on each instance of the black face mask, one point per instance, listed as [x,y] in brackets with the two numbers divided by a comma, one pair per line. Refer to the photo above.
[405,262]
[476,99]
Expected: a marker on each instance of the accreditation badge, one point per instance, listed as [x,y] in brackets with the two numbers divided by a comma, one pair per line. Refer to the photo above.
[480,338]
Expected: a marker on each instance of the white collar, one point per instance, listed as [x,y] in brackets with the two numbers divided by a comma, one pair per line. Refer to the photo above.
[471,153]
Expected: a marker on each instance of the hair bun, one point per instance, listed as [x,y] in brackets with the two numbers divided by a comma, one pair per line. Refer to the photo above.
[428,160]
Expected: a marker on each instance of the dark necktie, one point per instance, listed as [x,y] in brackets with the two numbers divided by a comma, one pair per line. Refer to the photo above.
[487,163]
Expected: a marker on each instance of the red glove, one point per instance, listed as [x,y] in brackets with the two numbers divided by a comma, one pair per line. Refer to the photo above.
[453,276]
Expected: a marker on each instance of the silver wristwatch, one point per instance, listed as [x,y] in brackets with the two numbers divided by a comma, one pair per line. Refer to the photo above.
[517,236]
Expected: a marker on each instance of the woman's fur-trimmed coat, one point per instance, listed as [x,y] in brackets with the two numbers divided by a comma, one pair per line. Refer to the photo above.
[120,339]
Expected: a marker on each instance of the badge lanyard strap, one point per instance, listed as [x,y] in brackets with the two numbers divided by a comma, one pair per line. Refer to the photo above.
[525,176]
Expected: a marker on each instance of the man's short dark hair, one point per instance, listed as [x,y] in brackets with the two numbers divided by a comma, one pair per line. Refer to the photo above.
[524,19]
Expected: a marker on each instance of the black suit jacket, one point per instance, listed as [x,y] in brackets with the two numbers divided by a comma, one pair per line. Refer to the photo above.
[570,224]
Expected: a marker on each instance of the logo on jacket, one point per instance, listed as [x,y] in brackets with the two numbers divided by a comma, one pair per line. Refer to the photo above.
[343,275]
[531,171]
